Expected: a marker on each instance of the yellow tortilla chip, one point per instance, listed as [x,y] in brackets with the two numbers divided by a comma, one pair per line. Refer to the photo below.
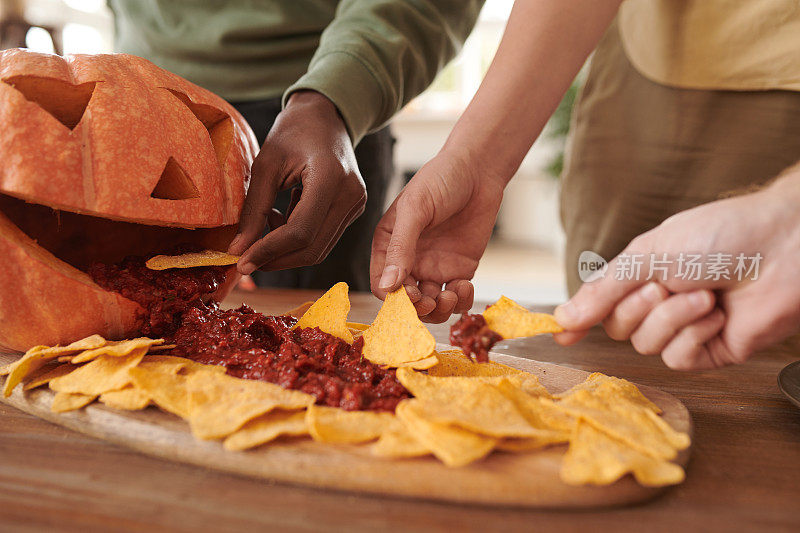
[128,398]
[527,444]
[329,313]
[451,445]
[298,311]
[540,412]
[397,335]
[334,425]
[422,364]
[612,388]
[511,320]
[174,365]
[398,442]
[220,404]
[597,458]
[116,349]
[69,401]
[45,374]
[38,356]
[192,260]
[266,428]
[106,373]
[165,389]
[455,363]
[475,404]
[627,422]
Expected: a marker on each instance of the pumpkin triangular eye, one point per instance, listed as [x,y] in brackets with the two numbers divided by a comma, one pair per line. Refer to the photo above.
[65,101]
[174,184]
[217,122]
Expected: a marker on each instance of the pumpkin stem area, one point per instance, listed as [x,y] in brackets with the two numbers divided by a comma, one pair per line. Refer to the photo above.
[80,240]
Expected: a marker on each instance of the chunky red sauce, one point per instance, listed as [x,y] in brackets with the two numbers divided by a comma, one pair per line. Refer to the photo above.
[249,344]
[473,336]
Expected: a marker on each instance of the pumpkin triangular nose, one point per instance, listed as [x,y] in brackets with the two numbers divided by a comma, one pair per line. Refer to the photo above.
[174,184]
[65,101]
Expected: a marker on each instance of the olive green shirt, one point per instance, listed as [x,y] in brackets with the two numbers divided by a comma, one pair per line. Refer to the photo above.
[370,57]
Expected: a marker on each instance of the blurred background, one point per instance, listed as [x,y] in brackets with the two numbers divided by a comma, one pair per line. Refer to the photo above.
[524,259]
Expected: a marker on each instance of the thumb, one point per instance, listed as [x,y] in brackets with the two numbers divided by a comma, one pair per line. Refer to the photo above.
[402,246]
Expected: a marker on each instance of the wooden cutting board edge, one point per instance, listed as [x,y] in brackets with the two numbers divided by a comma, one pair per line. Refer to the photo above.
[498,480]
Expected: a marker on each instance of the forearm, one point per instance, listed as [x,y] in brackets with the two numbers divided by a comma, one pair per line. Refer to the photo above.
[544,46]
[377,55]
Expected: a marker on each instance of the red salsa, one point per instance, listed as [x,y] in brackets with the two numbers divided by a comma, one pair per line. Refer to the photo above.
[249,344]
[473,336]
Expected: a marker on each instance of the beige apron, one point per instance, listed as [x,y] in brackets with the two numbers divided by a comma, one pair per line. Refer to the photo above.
[640,151]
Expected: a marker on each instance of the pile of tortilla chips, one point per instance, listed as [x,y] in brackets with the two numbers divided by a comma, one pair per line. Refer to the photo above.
[461,410]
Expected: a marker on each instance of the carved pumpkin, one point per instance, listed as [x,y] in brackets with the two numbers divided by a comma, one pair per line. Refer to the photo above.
[104,156]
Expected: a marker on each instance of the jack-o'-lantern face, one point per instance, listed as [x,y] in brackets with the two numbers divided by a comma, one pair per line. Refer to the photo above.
[104,156]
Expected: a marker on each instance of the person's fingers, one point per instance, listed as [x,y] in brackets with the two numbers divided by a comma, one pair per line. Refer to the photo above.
[632,309]
[465,293]
[414,294]
[445,303]
[668,318]
[689,349]
[333,225]
[258,203]
[275,219]
[593,302]
[300,230]
[567,338]
[401,247]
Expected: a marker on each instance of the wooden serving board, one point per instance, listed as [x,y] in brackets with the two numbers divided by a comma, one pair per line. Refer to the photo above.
[525,479]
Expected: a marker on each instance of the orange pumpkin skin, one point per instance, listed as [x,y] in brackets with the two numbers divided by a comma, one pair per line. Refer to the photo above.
[109,138]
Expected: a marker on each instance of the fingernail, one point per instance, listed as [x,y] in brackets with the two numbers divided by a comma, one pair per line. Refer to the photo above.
[651,293]
[566,313]
[389,277]
[698,298]
[247,269]
[413,292]
[233,245]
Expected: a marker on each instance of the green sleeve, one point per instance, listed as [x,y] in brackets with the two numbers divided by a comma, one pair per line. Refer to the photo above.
[377,55]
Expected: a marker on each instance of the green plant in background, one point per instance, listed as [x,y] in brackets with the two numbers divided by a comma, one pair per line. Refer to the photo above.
[558,128]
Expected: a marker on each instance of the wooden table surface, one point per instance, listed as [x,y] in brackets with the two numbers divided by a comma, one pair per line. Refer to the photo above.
[744,473]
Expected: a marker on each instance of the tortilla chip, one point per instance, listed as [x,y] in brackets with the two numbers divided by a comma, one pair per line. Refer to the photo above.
[192,260]
[398,442]
[116,349]
[627,422]
[540,412]
[128,398]
[266,428]
[611,387]
[451,445]
[163,347]
[46,374]
[106,373]
[475,404]
[38,356]
[397,335]
[334,425]
[329,313]
[69,401]
[298,311]
[528,444]
[220,404]
[455,363]
[422,364]
[176,365]
[511,320]
[165,389]
[594,457]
